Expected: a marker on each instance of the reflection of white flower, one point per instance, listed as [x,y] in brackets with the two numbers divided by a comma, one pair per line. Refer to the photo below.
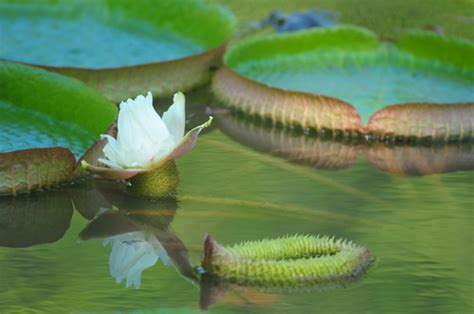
[144,138]
[132,253]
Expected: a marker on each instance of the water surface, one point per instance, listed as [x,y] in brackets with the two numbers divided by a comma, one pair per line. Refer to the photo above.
[418,227]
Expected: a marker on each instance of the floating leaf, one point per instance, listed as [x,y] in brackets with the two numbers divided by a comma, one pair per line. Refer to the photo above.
[43,111]
[35,169]
[121,48]
[283,78]
[433,122]
[288,108]
[292,262]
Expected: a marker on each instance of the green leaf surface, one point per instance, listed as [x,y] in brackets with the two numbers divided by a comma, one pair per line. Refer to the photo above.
[44,117]
[122,48]
[109,33]
[348,63]
[24,90]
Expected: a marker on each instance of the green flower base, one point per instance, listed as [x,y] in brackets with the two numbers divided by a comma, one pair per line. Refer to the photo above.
[160,182]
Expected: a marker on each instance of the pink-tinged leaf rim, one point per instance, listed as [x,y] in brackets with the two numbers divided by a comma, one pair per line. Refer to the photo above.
[188,141]
[23,171]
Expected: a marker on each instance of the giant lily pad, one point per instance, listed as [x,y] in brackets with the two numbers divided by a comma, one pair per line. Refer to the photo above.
[122,48]
[284,78]
[44,117]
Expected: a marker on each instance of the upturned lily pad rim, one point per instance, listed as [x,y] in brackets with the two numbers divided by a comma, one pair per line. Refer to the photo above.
[268,46]
[62,98]
[449,50]
[58,96]
[418,45]
[206,15]
[212,23]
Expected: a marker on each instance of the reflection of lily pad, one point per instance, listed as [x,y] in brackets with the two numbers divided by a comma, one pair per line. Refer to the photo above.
[123,48]
[45,115]
[266,74]
[311,151]
[33,219]
[412,160]
[333,154]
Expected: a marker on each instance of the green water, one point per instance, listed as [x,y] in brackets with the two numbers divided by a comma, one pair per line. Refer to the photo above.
[22,128]
[418,227]
[89,43]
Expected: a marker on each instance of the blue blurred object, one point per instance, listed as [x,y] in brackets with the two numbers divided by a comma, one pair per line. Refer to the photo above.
[282,22]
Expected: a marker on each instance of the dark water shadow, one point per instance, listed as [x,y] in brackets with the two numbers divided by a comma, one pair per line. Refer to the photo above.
[31,219]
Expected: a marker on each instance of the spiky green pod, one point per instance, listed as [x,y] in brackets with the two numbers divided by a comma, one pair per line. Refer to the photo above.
[291,262]
[159,182]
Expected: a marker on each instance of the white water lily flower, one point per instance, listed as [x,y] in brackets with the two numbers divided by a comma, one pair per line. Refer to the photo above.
[132,253]
[144,139]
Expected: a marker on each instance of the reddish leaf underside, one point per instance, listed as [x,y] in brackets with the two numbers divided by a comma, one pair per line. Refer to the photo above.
[189,140]
[37,168]
[439,122]
[96,151]
[162,78]
[286,107]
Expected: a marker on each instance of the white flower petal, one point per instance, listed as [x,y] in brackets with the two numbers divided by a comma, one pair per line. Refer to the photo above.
[160,251]
[143,138]
[132,253]
[109,163]
[175,117]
